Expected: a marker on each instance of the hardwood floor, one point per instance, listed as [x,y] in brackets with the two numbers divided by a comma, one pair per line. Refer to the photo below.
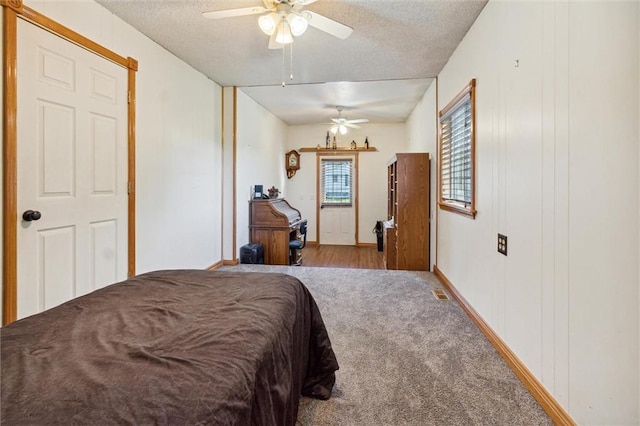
[342,257]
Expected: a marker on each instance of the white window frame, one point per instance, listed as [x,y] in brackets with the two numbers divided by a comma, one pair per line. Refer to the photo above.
[457,192]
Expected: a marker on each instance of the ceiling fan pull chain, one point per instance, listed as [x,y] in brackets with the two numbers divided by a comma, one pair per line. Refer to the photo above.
[291,50]
[283,84]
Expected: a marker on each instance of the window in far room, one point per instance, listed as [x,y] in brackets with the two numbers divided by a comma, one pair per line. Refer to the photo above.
[337,188]
[457,153]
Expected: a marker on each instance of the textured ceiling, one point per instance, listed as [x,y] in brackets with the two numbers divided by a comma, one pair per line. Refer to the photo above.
[400,44]
[388,101]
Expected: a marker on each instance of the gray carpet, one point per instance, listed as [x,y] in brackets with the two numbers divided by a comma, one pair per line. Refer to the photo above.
[405,357]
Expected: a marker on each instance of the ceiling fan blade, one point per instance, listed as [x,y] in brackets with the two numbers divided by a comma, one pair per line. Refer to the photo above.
[327,25]
[304,2]
[273,44]
[358,120]
[336,120]
[230,13]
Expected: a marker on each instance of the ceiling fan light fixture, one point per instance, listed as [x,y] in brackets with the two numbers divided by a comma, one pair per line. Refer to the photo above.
[283,35]
[338,128]
[268,23]
[297,24]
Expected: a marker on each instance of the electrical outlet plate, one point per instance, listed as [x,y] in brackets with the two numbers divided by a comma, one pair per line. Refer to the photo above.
[502,244]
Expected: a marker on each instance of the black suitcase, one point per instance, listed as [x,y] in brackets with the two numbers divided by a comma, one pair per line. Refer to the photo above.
[252,253]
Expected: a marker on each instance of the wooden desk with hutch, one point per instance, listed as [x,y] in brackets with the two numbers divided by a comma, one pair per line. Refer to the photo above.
[274,223]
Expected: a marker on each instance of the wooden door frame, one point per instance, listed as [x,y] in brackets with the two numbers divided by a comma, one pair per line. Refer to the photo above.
[14,9]
[356,189]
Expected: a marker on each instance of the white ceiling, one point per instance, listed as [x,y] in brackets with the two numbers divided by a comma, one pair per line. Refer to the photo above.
[380,72]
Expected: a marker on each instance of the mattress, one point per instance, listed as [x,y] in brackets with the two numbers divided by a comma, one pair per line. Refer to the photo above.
[170,347]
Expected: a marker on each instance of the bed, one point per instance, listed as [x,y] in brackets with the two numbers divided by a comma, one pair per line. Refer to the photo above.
[170,347]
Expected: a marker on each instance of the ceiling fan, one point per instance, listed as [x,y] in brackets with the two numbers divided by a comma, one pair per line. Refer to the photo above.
[284,19]
[340,123]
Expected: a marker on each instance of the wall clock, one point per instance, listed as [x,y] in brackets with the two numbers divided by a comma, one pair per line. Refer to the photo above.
[291,162]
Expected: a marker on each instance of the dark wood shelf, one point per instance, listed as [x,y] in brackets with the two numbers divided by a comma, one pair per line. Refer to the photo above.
[339,149]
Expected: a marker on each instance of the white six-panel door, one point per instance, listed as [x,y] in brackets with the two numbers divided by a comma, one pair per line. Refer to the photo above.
[72,169]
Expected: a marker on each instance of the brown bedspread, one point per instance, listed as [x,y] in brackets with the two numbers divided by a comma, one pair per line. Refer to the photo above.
[170,347]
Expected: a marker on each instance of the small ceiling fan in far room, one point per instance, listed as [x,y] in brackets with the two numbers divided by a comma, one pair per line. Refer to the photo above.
[340,123]
[284,19]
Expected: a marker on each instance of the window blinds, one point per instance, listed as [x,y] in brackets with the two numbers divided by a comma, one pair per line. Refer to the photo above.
[337,182]
[456,152]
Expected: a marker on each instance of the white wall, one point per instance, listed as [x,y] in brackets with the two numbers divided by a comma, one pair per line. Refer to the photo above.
[557,171]
[422,137]
[261,142]
[603,160]
[228,154]
[372,173]
[421,124]
[178,153]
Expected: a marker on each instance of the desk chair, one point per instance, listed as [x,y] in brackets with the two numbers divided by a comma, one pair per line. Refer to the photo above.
[295,245]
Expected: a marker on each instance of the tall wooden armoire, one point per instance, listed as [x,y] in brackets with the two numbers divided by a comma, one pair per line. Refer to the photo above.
[406,244]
